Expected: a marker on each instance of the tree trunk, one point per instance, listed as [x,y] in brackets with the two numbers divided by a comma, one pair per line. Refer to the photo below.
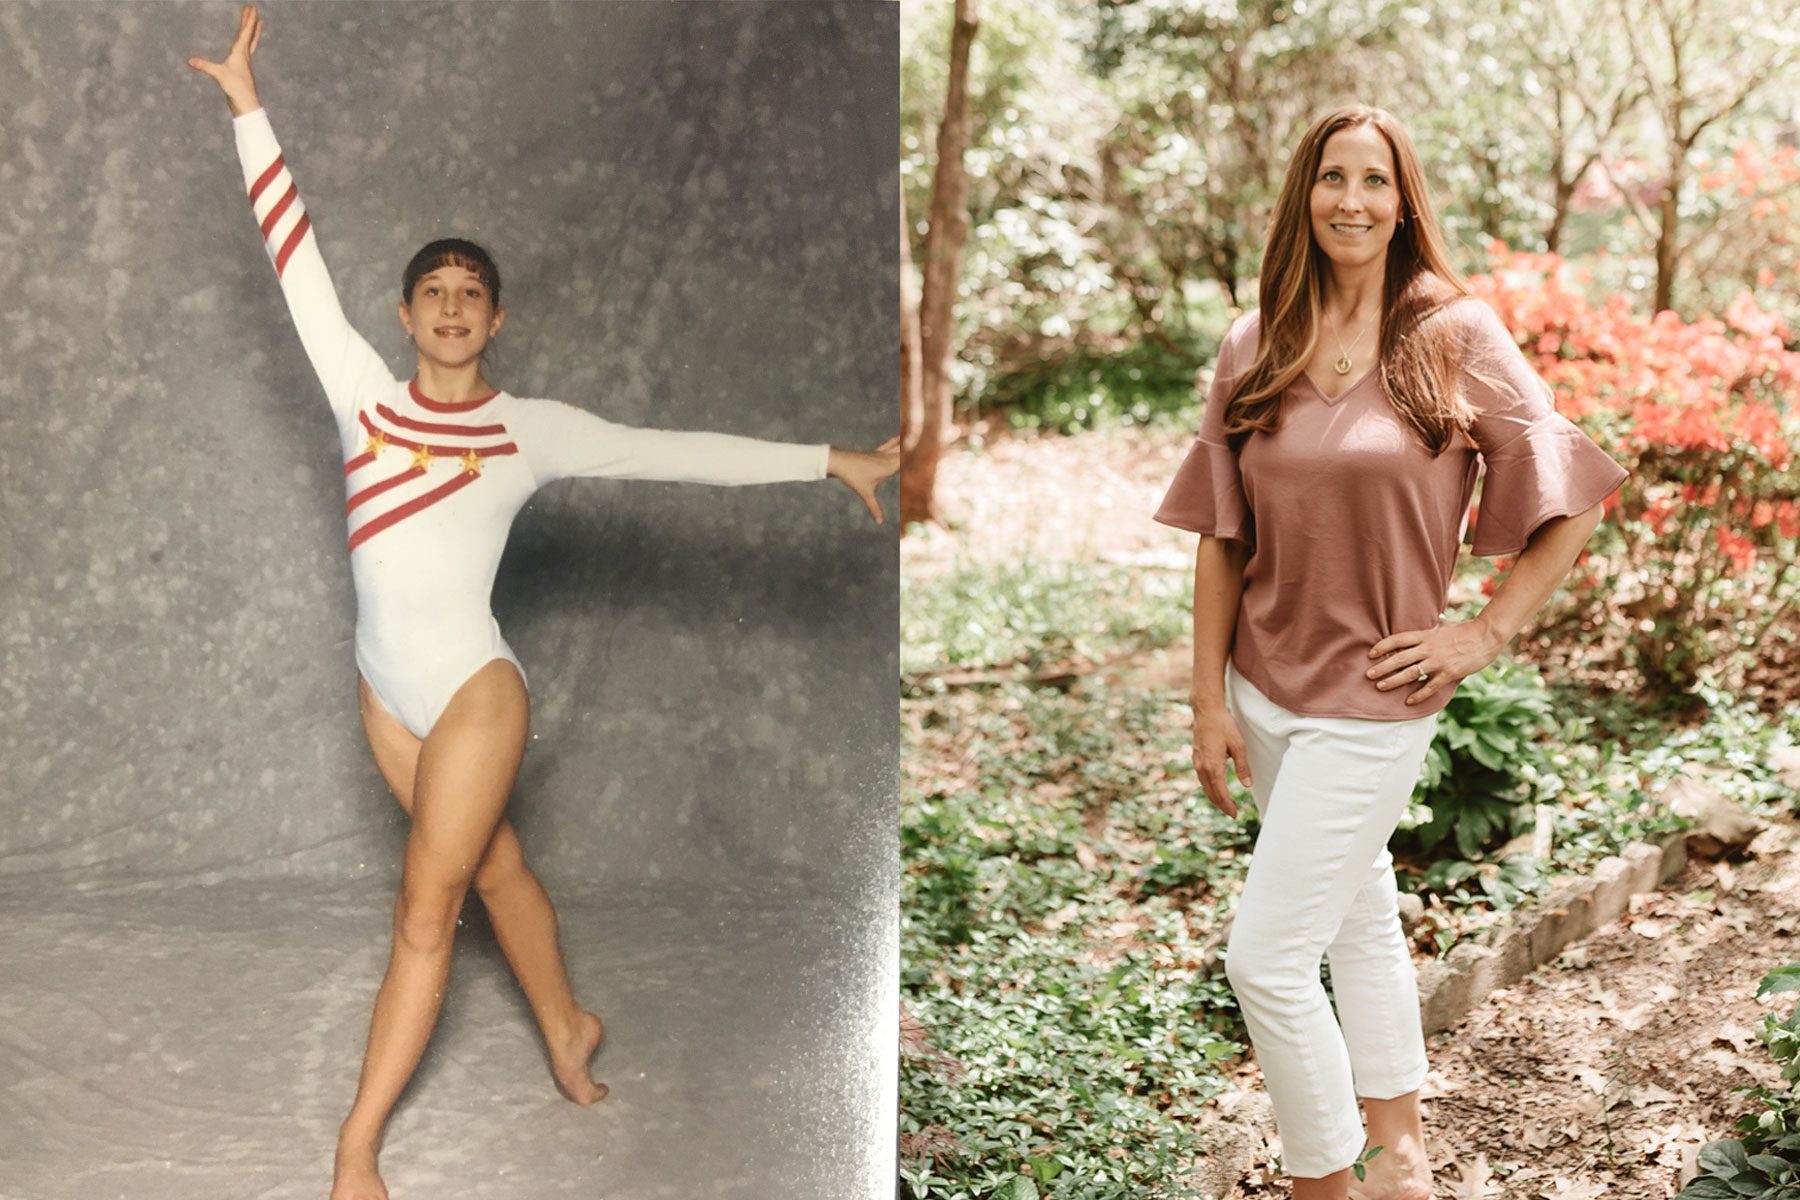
[1666,231]
[912,400]
[942,253]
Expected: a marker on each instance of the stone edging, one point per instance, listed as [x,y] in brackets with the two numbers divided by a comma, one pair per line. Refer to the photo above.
[1451,987]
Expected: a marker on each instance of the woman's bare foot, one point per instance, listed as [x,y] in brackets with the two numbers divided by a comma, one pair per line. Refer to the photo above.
[354,1177]
[1400,1172]
[569,1062]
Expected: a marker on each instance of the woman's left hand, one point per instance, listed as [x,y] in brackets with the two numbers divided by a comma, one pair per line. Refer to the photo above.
[1450,653]
[863,470]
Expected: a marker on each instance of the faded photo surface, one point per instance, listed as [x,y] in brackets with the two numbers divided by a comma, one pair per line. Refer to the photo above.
[692,206]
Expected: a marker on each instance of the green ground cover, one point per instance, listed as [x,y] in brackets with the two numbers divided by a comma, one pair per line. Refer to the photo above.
[1065,879]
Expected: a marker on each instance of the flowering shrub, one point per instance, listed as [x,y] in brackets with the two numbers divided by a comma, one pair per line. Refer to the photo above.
[1697,561]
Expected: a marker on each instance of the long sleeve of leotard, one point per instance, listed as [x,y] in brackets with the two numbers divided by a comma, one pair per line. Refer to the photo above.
[560,440]
[347,366]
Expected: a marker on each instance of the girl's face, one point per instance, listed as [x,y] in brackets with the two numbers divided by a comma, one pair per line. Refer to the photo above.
[1355,197]
[451,316]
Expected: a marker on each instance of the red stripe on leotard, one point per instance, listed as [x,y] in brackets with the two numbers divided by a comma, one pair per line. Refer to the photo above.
[281,206]
[360,461]
[394,439]
[292,242]
[440,406]
[266,178]
[395,515]
[436,427]
[375,489]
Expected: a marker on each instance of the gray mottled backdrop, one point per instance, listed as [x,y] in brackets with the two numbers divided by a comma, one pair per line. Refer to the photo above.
[693,207]
[690,205]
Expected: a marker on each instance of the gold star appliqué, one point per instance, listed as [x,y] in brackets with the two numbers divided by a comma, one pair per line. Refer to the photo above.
[377,443]
[471,462]
[422,458]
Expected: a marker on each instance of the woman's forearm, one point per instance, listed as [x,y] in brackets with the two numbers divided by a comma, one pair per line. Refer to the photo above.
[1540,569]
[1218,586]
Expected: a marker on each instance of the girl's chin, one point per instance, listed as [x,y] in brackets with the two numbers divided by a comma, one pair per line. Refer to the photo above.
[451,357]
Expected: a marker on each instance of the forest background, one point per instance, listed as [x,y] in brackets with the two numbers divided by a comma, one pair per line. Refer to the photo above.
[1085,187]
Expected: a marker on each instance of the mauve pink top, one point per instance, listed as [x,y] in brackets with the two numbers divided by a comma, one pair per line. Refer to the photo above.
[1354,527]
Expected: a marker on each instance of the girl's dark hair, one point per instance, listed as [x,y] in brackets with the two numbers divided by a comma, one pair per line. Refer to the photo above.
[452,252]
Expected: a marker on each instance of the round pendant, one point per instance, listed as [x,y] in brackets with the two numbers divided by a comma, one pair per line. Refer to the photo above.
[1342,365]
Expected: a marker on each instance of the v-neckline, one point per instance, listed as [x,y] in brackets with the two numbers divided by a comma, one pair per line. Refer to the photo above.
[1320,392]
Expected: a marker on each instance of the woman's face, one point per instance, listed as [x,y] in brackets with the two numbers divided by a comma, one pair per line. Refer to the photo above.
[451,316]
[1355,197]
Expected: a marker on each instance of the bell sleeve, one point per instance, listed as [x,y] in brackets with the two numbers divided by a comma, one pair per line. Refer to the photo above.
[1539,465]
[1207,495]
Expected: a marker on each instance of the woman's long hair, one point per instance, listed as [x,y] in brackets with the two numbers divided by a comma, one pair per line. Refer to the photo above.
[1418,361]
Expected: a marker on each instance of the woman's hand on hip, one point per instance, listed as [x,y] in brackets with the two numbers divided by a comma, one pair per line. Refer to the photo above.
[233,75]
[1216,738]
[864,470]
[1451,652]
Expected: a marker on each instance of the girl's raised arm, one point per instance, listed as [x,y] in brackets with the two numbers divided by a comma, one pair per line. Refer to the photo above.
[346,365]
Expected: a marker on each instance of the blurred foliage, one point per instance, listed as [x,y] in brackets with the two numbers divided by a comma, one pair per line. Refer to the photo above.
[1030,614]
[1125,154]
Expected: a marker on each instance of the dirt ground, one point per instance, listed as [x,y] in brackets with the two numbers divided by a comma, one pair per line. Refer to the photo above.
[1087,498]
[1604,1072]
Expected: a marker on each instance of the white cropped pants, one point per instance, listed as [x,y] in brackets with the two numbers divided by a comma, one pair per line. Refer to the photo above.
[1321,885]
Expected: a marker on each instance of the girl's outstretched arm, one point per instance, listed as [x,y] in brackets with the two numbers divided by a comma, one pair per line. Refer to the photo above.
[863,470]
[561,440]
[346,365]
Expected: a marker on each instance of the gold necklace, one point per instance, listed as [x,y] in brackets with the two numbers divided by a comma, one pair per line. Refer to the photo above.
[1342,365]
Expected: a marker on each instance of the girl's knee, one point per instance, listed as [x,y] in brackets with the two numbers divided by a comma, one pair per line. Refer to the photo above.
[426,925]
[501,872]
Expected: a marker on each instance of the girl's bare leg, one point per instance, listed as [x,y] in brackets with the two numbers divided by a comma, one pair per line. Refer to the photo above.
[465,771]
[523,918]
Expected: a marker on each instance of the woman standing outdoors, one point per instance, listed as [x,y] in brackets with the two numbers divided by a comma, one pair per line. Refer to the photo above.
[1335,463]
[435,470]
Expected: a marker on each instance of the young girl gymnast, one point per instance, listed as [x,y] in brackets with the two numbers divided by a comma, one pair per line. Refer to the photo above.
[435,469]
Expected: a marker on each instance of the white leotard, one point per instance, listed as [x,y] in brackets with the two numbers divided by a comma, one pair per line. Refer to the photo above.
[432,489]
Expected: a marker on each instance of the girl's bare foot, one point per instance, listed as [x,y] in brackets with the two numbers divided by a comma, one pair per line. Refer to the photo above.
[569,1062]
[1400,1172]
[354,1177]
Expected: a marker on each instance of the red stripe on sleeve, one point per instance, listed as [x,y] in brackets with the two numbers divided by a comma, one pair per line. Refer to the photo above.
[395,515]
[266,178]
[292,242]
[281,206]
[375,489]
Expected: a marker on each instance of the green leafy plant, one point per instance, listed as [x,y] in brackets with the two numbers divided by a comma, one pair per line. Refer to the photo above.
[1483,772]
[1360,1168]
[1763,1162]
